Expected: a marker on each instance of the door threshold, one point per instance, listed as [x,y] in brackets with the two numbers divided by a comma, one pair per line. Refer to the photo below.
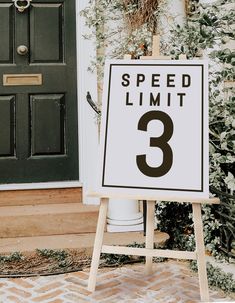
[41,185]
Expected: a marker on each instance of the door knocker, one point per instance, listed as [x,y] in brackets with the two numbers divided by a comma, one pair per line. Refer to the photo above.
[21,5]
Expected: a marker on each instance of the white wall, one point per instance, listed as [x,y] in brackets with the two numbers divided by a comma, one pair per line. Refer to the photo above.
[88,130]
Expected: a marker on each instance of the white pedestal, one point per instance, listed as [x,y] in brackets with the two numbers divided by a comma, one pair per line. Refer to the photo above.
[124,215]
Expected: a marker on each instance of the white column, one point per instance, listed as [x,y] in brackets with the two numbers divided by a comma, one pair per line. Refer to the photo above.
[124,215]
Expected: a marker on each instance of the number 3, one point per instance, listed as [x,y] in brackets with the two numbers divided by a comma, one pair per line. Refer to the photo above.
[160,142]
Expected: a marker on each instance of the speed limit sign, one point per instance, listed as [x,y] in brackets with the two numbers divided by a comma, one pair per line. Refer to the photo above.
[154,133]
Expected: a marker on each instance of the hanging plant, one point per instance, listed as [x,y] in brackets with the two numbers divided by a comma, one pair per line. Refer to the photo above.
[140,12]
[122,27]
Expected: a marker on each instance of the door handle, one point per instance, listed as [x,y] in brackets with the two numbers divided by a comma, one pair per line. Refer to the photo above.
[22,50]
[21,5]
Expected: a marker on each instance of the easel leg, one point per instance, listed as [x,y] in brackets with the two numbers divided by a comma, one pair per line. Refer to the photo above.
[200,250]
[149,234]
[98,243]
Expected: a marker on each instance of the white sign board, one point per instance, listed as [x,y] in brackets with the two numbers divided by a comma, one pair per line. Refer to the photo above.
[154,134]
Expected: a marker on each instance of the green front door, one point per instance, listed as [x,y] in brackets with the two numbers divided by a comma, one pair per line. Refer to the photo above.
[38,102]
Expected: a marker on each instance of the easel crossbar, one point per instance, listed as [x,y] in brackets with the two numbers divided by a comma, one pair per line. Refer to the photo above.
[136,251]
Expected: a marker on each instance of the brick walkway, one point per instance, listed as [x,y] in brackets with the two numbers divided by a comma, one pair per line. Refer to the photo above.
[171,282]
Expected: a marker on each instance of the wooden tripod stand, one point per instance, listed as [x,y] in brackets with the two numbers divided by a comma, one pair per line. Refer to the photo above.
[148,251]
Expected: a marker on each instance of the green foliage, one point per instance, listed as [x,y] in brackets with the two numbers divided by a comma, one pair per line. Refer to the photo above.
[55,254]
[176,219]
[16,256]
[208,26]
[206,31]
[58,255]
[217,278]
[179,228]
[226,211]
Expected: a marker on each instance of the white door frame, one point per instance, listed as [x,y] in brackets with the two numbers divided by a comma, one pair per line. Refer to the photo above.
[87,128]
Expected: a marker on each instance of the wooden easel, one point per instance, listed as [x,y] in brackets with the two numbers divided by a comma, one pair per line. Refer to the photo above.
[149,252]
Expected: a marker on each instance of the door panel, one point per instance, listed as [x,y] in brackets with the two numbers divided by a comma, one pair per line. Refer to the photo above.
[38,123]
[6,32]
[46,38]
[7,126]
[48,122]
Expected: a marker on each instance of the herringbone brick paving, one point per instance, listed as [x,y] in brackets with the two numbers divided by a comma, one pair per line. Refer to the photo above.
[172,282]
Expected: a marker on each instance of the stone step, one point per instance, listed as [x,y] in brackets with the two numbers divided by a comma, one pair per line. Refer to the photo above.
[83,242]
[47,219]
[40,196]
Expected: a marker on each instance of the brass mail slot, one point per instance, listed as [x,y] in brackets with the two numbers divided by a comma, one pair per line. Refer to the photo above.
[22,79]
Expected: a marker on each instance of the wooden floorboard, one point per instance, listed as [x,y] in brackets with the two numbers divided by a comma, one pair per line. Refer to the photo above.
[40,196]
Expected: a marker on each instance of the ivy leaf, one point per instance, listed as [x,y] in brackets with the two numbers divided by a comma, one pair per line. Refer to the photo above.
[230,181]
